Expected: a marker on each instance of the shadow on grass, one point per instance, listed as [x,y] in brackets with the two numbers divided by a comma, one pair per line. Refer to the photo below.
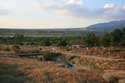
[10,74]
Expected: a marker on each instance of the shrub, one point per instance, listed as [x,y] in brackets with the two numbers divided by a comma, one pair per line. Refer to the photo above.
[74,57]
[49,56]
[1,47]
[112,79]
[16,48]
[7,49]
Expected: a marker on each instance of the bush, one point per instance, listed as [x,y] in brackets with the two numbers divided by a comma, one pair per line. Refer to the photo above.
[16,48]
[1,47]
[49,56]
[74,57]
[7,49]
[112,80]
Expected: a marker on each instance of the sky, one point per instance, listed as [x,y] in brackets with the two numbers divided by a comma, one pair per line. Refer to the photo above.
[45,14]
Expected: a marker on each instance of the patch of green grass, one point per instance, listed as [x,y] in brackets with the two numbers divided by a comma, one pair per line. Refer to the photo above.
[10,74]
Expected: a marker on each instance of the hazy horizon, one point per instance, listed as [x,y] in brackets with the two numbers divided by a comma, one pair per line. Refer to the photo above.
[50,14]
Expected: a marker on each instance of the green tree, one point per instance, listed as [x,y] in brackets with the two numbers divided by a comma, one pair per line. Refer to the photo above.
[91,40]
[123,37]
[18,38]
[45,42]
[106,39]
[116,37]
[62,42]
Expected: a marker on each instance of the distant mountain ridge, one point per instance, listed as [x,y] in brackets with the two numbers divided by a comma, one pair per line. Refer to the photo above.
[106,27]
[99,29]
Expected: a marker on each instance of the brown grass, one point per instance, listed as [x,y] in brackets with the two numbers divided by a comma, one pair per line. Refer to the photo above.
[46,72]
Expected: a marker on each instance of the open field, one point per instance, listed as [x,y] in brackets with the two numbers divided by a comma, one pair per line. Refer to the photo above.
[62,41]
[91,68]
[49,72]
[90,58]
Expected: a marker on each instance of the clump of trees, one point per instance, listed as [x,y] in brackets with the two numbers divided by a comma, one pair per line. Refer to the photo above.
[91,40]
[114,38]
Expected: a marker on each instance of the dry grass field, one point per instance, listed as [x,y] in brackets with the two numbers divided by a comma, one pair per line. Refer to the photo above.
[47,72]
[93,65]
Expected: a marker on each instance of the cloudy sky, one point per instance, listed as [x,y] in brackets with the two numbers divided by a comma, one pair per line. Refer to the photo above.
[59,13]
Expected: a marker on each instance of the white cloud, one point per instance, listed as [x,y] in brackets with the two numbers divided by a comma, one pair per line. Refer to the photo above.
[78,2]
[21,7]
[109,6]
[59,10]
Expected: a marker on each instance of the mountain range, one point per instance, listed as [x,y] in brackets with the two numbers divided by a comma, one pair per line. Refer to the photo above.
[106,27]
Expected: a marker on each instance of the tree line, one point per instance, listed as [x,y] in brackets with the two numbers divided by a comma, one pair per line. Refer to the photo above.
[114,38]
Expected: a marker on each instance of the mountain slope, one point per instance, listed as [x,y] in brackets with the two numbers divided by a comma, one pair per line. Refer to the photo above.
[109,26]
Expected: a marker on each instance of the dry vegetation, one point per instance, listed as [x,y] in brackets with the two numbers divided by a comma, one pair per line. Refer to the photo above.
[93,65]
[49,72]
[108,52]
